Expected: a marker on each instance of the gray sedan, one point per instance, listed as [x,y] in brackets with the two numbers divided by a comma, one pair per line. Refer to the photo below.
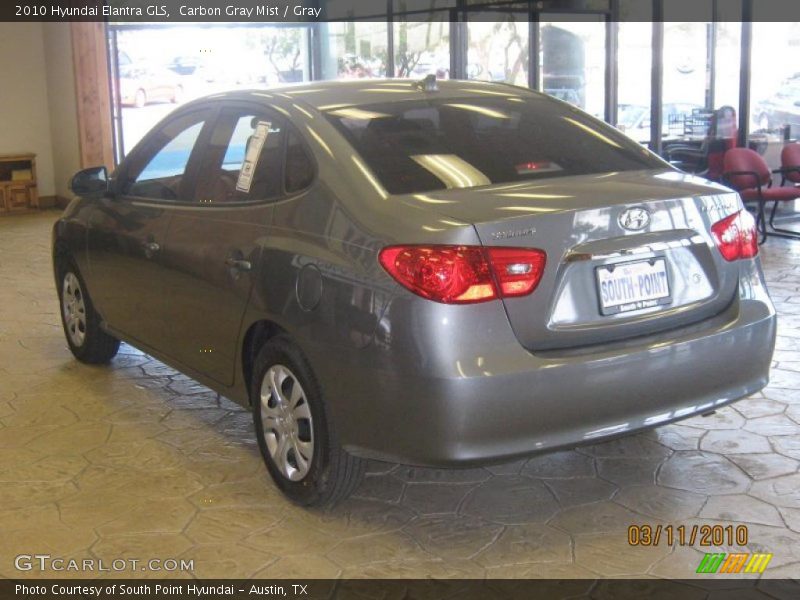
[436,274]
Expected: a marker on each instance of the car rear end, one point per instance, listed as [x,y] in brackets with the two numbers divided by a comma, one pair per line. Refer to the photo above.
[559,296]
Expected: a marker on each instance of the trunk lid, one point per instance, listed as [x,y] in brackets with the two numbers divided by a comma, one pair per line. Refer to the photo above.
[604,281]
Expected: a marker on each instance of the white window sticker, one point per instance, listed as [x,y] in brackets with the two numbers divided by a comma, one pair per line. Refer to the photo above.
[254,146]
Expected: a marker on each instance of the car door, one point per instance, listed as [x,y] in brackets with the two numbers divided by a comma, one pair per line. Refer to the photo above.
[214,244]
[127,230]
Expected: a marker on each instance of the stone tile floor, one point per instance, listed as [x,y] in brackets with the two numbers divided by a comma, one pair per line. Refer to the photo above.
[137,461]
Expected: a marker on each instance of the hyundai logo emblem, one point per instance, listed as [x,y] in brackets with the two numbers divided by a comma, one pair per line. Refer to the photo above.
[634,219]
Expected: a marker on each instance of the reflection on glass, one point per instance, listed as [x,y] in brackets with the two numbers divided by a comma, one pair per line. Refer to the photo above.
[354,50]
[492,113]
[686,80]
[775,89]
[634,60]
[422,48]
[498,51]
[572,62]
[728,67]
[453,171]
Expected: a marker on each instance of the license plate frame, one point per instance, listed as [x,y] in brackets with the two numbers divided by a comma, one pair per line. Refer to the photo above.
[655,266]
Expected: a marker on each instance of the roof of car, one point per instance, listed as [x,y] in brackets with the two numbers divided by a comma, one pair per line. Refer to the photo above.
[325,95]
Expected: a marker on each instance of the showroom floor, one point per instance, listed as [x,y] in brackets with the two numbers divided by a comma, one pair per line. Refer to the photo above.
[136,460]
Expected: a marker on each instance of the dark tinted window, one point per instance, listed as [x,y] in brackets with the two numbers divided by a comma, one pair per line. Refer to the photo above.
[299,168]
[453,143]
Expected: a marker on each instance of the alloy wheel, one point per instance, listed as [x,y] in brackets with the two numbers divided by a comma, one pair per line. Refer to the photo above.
[73,309]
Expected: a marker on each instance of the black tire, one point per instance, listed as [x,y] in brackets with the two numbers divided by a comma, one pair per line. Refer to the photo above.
[96,347]
[332,473]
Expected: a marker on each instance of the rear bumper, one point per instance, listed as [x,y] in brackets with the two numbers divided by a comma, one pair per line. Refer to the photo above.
[476,396]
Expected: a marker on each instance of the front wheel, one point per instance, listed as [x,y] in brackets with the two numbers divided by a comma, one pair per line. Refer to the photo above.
[87,341]
[294,433]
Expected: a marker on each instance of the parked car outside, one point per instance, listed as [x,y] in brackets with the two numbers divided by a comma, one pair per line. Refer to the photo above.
[142,83]
[440,275]
[781,109]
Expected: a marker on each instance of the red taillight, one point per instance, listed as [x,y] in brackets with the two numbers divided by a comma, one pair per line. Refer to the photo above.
[464,274]
[736,236]
[518,270]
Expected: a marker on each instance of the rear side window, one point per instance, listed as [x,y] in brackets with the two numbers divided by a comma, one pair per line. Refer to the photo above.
[244,158]
[299,168]
[419,146]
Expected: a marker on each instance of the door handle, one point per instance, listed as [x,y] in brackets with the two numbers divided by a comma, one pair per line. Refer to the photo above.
[151,248]
[238,264]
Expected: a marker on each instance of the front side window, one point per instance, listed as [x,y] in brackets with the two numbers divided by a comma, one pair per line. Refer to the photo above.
[244,158]
[159,170]
[419,146]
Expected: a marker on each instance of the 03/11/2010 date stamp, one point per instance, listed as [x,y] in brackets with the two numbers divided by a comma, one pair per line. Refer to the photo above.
[694,535]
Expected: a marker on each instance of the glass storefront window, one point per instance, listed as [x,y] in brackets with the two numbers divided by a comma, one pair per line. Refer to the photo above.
[354,50]
[634,60]
[498,50]
[422,48]
[163,66]
[775,89]
[572,59]
[686,81]
[728,65]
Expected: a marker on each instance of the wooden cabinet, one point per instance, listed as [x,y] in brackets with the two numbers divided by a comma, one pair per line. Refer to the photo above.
[18,189]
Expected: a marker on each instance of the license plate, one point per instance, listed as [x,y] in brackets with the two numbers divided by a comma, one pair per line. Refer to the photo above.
[632,286]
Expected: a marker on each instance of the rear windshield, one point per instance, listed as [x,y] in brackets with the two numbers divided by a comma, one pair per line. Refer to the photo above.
[420,146]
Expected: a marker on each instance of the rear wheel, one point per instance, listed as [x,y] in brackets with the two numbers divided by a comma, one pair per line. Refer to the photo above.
[295,435]
[87,341]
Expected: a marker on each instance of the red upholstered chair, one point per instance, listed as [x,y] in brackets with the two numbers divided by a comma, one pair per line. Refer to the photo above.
[747,173]
[708,159]
[790,173]
[790,164]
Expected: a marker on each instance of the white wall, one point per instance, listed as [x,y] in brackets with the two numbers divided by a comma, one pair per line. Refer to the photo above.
[24,110]
[62,103]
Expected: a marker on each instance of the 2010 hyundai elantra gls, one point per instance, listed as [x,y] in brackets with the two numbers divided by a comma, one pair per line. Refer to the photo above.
[437,275]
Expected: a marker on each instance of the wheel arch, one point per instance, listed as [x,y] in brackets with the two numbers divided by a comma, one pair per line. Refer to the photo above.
[258,334]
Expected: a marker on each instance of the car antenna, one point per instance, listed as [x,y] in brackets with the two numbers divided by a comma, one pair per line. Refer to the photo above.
[427,84]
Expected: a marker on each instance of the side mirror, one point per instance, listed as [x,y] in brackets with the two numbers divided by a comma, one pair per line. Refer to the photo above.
[90,182]
[797,102]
